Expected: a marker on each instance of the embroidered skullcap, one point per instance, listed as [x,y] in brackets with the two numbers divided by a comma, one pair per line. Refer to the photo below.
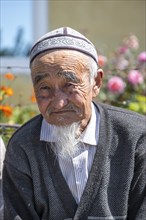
[64,38]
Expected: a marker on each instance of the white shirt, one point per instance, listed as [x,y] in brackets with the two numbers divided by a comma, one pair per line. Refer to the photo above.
[77,169]
[2,155]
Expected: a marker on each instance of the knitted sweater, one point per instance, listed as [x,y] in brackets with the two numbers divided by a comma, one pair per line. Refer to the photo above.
[34,187]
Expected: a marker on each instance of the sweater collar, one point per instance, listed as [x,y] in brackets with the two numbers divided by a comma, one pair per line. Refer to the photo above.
[89,136]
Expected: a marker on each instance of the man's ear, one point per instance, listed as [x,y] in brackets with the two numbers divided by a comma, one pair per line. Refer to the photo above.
[97,83]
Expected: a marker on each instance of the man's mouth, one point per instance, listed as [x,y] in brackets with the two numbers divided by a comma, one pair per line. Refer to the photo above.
[62,111]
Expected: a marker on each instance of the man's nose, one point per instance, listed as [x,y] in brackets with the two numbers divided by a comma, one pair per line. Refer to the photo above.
[59,100]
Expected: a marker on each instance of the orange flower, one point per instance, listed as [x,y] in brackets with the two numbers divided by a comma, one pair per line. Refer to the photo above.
[33,98]
[6,109]
[9,76]
[3,88]
[9,91]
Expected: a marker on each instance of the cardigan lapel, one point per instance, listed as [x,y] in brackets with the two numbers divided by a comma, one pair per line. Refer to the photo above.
[97,169]
[60,184]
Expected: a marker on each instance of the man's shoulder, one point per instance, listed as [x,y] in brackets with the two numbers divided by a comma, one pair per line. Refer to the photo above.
[28,130]
[121,116]
[113,110]
[22,144]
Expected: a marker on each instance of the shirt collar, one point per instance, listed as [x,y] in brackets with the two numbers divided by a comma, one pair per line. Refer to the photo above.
[89,136]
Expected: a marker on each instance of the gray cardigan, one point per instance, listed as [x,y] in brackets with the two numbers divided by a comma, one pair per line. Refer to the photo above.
[34,187]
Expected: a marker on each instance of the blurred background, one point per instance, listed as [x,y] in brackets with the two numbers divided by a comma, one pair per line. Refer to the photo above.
[116,27]
[105,22]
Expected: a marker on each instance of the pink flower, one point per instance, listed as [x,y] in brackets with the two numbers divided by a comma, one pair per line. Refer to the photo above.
[135,77]
[116,84]
[123,49]
[131,41]
[122,63]
[142,57]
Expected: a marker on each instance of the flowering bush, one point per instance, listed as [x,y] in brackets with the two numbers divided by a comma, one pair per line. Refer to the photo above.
[124,79]
[12,113]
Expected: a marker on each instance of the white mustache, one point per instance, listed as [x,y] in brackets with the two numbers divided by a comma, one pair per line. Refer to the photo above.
[67,108]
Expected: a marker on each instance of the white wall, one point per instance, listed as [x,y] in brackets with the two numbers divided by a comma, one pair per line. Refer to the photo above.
[40,18]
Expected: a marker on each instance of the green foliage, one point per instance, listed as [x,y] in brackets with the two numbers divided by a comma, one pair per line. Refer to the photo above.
[138,104]
[21,114]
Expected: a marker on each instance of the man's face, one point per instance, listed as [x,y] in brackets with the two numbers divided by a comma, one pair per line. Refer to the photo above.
[62,87]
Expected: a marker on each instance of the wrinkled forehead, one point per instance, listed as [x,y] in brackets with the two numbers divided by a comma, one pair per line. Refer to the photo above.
[60,60]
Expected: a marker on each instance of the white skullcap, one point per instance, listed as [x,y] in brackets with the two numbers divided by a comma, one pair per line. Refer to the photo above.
[64,38]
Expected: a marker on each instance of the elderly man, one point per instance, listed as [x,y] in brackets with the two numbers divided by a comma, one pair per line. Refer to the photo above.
[77,160]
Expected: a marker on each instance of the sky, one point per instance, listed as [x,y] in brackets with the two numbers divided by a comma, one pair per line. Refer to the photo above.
[15,14]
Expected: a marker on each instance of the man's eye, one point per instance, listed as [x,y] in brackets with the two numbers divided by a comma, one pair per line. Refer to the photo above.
[44,88]
[69,85]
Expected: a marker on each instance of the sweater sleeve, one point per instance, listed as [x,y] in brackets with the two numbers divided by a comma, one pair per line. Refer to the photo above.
[137,197]
[18,195]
